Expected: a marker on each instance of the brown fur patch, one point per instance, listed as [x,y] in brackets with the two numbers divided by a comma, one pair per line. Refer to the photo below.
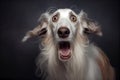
[105,67]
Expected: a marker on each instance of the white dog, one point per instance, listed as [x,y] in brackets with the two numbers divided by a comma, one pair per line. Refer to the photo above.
[67,53]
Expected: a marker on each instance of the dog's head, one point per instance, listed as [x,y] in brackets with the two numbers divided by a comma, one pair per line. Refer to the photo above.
[64,25]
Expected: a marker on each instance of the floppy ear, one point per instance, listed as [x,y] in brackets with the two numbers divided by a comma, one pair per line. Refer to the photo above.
[88,25]
[40,30]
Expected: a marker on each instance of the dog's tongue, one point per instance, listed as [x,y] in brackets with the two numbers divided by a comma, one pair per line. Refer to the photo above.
[64,52]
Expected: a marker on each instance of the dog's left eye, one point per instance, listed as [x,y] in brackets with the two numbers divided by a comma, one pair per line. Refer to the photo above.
[73,18]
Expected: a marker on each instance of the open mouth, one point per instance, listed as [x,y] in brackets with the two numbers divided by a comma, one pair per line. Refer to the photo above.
[64,50]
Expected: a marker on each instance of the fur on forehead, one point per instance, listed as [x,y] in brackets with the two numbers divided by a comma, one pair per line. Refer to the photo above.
[65,11]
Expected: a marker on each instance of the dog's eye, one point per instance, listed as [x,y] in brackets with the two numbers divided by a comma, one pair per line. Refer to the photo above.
[73,18]
[55,18]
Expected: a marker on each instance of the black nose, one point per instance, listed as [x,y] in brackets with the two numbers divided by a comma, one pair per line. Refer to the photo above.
[63,32]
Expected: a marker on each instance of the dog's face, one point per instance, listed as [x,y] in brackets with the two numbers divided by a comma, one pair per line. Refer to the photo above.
[64,25]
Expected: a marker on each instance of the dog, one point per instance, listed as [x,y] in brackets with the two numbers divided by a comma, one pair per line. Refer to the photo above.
[67,53]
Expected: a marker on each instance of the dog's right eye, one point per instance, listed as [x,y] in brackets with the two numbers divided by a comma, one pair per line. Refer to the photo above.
[55,18]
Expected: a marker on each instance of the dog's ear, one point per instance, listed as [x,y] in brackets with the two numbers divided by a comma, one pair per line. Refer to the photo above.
[88,25]
[40,30]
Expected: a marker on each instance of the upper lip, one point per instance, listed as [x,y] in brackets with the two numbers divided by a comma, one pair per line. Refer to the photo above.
[60,39]
[64,44]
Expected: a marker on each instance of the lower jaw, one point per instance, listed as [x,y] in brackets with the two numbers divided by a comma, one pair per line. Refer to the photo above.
[61,58]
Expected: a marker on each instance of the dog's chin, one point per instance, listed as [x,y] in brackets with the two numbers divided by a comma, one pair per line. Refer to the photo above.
[64,50]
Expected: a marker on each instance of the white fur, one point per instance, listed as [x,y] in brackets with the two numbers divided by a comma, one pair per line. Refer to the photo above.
[82,65]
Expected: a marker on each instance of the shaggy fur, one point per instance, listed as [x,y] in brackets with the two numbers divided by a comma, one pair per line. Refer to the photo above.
[87,61]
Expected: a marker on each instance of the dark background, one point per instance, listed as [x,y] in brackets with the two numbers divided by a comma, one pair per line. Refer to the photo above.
[17,59]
